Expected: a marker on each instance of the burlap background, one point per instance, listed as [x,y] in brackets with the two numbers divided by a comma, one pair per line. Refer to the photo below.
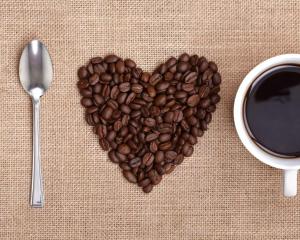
[221,192]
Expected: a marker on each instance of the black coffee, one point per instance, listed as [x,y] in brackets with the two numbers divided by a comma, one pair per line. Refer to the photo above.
[272,110]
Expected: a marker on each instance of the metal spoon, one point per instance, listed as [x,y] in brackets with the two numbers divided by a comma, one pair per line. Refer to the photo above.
[35,71]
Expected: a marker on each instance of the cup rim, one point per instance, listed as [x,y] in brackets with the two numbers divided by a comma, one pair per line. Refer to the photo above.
[238,112]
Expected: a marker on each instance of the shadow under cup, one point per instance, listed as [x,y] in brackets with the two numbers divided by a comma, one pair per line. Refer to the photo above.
[271,111]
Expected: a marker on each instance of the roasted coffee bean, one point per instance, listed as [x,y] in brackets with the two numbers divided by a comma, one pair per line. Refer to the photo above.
[83,72]
[148,159]
[125,108]
[165,146]
[203,125]
[162,86]
[91,109]
[169,117]
[168,168]
[83,83]
[179,159]
[124,87]
[187,150]
[129,176]
[102,131]
[86,92]
[135,162]
[120,67]
[94,79]
[113,157]
[130,63]
[151,137]
[154,111]
[155,78]
[97,88]
[182,67]
[136,88]
[122,98]
[125,166]
[124,149]
[145,77]
[148,188]
[170,155]
[123,131]
[160,100]
[180,94]
[164,137]
[154,177]
[104,144]
[208,117]
[86,102]
[150,122]
[111,58]
[204,103]
[153,147]
[211,108]
[107,113]
[191,77]
[193,100]
[215,98]
[159,156]
[213,66]
[168,76]
[112,103]
[145,182]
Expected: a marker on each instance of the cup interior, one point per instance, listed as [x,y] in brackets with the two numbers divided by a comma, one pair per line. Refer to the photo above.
[240,124]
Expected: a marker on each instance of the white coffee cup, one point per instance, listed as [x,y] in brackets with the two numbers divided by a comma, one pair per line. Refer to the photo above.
[289,166]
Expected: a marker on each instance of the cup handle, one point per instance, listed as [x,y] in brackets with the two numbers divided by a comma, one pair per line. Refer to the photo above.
[290,183]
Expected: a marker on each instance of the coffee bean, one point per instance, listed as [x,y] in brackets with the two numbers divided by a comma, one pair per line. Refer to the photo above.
[145,77]
[204,103]
[155,78]
[169,117]
[111,58]
[83,83]
[170,155]
[107,113]
[83,73]
[148,159]
[182,67]
[154,177]
[165,146]
[86,102]
[94,79]
[179,159]
[136,88]
[97,88]
[213,66]
[159,156]
[125,108]
[124,149]
[191,77]
[187,150]
[151,137]
[124,87]
[102,131]
[150,122]
[193,100]
[104,144]
[148,188]
[162,86]
[180,94]
[113,157]
[160,100]
[145,182]
[120,67]
[129,63]
[129,176]
[211,108]
[135,162]
[153,147]
[169,167]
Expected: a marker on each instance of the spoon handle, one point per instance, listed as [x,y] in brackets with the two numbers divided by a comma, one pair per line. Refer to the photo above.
[37,196]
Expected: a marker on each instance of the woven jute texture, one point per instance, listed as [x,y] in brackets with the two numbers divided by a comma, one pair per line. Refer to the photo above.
[221,192]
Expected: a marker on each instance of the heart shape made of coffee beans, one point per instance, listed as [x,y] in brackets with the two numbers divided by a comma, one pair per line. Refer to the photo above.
[149,122]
